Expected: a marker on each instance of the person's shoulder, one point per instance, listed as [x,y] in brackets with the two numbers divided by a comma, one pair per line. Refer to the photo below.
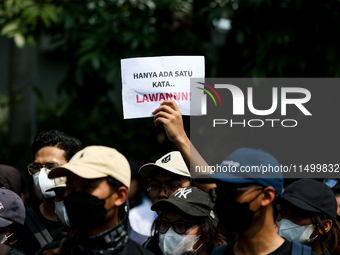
[4,249]
[135,248]
[295,248]
[219,250]
[49,246]
[137,237]
[151,241]
[284,249]
[15,252]
[34,215]
[224,249]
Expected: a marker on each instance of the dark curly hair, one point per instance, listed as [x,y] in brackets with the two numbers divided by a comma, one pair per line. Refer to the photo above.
[55,138]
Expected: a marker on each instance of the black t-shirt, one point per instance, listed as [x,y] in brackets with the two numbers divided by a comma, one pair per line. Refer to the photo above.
[56,229]
[133,248]
[284,249]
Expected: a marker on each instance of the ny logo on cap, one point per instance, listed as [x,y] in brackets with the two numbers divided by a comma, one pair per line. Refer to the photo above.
[166,159]
[183,193]
[1,206]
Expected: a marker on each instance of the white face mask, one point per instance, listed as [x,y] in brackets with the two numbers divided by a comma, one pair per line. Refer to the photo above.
[172,243]
[4,238]
[60,211]
[293,232]
[42,183]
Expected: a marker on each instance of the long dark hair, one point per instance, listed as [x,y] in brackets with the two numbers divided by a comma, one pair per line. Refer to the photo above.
[328,240]
[208,230]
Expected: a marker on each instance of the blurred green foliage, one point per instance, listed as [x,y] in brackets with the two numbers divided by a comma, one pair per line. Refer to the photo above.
[25,20]
[286,38]
[94,36]
[282,38]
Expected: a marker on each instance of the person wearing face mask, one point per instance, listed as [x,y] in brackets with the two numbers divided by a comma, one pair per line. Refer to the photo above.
[12,217]
[60,211]
[98,179]
[168,174]
[308,216]
[59,205]
[49,149]
[245,202]
[187,224]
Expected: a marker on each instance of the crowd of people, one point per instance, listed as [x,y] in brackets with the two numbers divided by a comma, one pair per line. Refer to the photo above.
[92,203]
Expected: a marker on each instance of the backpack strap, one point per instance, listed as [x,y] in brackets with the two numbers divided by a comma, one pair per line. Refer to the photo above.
[37,228]
[299,249]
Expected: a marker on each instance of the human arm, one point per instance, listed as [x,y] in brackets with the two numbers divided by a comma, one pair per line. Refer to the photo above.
[170,116]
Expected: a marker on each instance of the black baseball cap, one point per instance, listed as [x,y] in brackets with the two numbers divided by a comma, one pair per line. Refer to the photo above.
[191,201]
[312,196]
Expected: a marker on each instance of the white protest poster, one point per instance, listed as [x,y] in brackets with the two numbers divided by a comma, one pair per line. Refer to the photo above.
[148,81]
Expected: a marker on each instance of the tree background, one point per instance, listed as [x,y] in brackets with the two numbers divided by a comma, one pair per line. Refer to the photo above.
[283,38]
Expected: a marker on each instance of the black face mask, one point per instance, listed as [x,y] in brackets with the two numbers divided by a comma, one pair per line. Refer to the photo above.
[84,210]
[234,216]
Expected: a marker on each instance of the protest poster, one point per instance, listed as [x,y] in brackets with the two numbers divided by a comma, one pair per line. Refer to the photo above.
[148,81]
